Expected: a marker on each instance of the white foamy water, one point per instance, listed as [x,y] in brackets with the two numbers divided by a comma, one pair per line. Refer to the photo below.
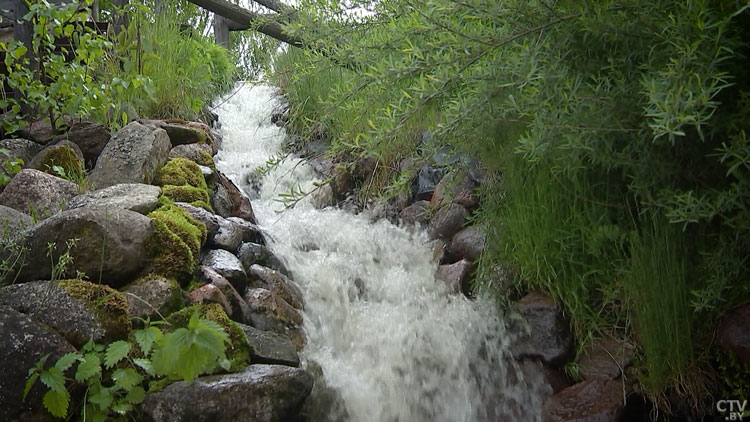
[388,339]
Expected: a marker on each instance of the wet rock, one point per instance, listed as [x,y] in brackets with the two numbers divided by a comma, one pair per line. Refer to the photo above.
[70,308]
[34,191]
[550,338]
[198,153]
[277,283]
[605,358]
[260,393]
[240,312]
[228,265]
[271,348]
[91,139]
[211,221]
[19,148]
[457,187]
[209,175]
[427,179]
[58,154]
[456,276]
[587,401]
[468,243]
[229,201]
[13,222]
[130,196]
[152,297]
[252,253]
[227,237]
[416,213]
[209,293]
[133,155]
[250,231]
[112,244]
[734,333]
[439,250]
[25,341]
[270,312]
[448,221]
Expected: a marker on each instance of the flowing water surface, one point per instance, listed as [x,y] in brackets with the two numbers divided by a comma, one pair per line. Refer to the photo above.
[388,341]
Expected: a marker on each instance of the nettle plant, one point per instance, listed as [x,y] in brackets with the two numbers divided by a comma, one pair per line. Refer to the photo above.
[117,377]
[54,80]
[9,166]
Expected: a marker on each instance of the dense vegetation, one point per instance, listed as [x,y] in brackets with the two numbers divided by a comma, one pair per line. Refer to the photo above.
[613,137]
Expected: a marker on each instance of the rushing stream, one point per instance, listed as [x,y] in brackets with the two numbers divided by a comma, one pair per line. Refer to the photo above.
[389,341]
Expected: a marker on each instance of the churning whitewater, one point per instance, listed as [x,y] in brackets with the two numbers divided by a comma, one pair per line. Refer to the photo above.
[386,340]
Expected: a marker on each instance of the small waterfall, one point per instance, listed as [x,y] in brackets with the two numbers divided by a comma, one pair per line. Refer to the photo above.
[387,338]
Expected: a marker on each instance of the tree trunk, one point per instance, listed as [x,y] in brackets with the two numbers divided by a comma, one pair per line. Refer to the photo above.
[242,16]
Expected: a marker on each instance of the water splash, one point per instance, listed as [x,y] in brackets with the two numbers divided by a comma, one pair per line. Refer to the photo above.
[389,340]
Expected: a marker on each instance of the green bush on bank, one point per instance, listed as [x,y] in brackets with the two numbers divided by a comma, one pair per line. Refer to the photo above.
[615,132]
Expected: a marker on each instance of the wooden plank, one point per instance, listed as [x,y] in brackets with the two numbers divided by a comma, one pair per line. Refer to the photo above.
[221,31]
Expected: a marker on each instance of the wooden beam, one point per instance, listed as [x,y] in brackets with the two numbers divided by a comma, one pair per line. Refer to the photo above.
[242,16]
[221,31]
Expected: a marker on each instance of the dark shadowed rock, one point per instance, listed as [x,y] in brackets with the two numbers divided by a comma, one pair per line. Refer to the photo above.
[448,221]
[468,243]
[734,333]
[211,221]
[66,308]
[228,265]
[25,341]
[19,148]
[605,358]
[587,401]
[268,347]
[550,338]
[91,139]
[229,201]
[130,196]
[227,237]
[456,276]
[152,297]
[133,155]
[252,253]
[39,131]
[112,244]
[416,213]
[266,278]
[457,187]
[36,191]
[427,179]
[260,393]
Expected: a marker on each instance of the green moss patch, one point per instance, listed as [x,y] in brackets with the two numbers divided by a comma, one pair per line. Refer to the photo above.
[177,242]
[179,172]
[109,305]
[205,159]
[62,156]
[185,193]
[238,352]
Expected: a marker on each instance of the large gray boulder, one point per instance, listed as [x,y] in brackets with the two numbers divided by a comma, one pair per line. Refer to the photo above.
[91,139]
[72,308]
[276,282]
[270,312]
[25,341]
[227,237]
[201,215]
[456,276]
[19,148]
[136,197]
[63,153]
[587,401]
[251,254]
[152,297]
[448,221]
[112,246]
[228,265]
[13,222]
[34,191]
[133,155]
[260,393]
[468,243]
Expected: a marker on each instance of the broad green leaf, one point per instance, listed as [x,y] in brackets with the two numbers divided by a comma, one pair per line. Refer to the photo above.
[102,398]
[89,367]
[116,352]
[53,378]
[136,395]
[146,338]
[66,361]
[127,378]
[18,52]
[56,403]
[146,365]
[122,407]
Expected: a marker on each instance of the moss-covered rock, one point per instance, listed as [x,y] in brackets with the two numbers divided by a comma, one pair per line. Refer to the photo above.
[153,296]
[238,352]
[180,171]
[186,193]
[177,242]
[109,305]
[62,156]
